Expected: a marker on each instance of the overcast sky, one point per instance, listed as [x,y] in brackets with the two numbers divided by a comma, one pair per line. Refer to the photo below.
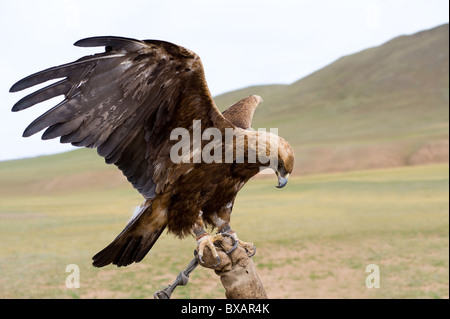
[241,42]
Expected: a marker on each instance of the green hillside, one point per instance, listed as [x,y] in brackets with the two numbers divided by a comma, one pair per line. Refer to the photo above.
[385,106]
[69,171]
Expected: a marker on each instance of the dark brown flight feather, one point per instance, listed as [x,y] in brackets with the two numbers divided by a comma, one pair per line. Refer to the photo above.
[115,101]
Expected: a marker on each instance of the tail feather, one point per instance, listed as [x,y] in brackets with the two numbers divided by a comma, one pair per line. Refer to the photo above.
[125,250]
[134,242]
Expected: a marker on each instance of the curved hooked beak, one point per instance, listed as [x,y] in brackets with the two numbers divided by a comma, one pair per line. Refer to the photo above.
[282,180]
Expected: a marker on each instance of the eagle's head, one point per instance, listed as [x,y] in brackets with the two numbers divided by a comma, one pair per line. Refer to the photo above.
[285,162]
[280,156]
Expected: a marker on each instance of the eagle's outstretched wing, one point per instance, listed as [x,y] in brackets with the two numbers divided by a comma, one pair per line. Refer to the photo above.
[124,102]
[240,114]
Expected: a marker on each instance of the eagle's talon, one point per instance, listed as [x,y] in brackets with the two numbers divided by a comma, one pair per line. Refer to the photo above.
[208,241]
[200,259]
[218,262]
[250,248]
[234,242]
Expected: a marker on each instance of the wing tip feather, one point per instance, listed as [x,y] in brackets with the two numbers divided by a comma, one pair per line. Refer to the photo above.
[100,41]
[18,86]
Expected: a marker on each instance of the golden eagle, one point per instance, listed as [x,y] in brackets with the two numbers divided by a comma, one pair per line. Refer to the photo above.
[126,102]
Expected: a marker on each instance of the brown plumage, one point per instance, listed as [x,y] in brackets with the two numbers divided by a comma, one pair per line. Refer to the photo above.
[241,113]
[125,102]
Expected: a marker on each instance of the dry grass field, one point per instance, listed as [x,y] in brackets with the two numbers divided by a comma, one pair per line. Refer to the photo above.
[315,237]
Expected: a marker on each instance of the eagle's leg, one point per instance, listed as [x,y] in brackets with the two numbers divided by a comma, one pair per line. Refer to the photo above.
[204,239]
[223,226]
